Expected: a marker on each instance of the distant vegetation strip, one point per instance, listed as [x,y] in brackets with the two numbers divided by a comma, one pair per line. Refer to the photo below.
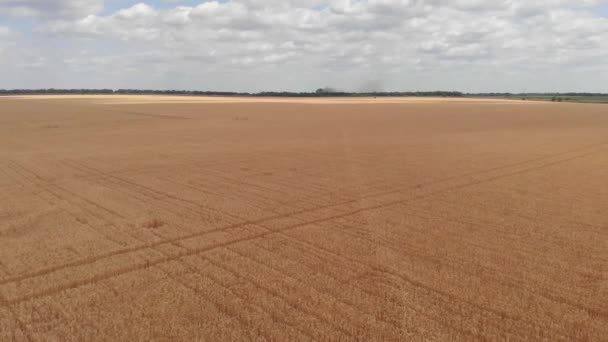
[553,97]
[323,92]
[318,93]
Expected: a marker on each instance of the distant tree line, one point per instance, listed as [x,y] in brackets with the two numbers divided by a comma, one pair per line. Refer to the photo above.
[54,91]
[537,94]
[363,94]
[323,93]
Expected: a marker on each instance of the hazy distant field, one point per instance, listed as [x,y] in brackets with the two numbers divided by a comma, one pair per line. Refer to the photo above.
[556,98]
[138,218]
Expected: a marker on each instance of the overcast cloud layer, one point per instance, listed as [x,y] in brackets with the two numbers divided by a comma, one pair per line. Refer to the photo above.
[255,45]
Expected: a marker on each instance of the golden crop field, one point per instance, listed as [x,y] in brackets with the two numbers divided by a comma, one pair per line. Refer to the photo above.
[139,218]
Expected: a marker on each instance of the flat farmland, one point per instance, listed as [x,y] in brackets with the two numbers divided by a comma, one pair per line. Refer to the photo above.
[182,218]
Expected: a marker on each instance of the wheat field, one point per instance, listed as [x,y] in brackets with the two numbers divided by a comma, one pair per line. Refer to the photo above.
[139,218]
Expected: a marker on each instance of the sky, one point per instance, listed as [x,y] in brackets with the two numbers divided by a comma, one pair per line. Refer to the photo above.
[302,45]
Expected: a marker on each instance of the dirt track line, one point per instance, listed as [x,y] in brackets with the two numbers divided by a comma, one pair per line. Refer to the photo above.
[401,189]
[21,180]
[80,106]
[147,194]
[11,181]
[107,275]
[20,324]
[93,203]
[317,289]
[98,230]
[333,159]
[219,306]
[466,221]
[309,201]
[323,293]
[236,181]
[47,189]
[595,229]
[141,195]
[493,169]
[391,275]
[416,284]
[281,188]
[276,294]
[182,263]
[136,170]
[190,185]
[274,317]
[164,116]
[199,187]
[250,195]
[42,184]
[487,275]
[484,276]
[113,274]
[161,195]
[529,250]
[193,206]
[272,217]
[301,278]
[384,205]
[262,220]
[353,284]
[270,314]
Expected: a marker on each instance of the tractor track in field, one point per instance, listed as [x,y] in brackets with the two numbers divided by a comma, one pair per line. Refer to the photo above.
[96,278]
[400,221]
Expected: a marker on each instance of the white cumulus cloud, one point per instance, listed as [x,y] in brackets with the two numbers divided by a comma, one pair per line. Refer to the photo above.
[49,8]
[298,45]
